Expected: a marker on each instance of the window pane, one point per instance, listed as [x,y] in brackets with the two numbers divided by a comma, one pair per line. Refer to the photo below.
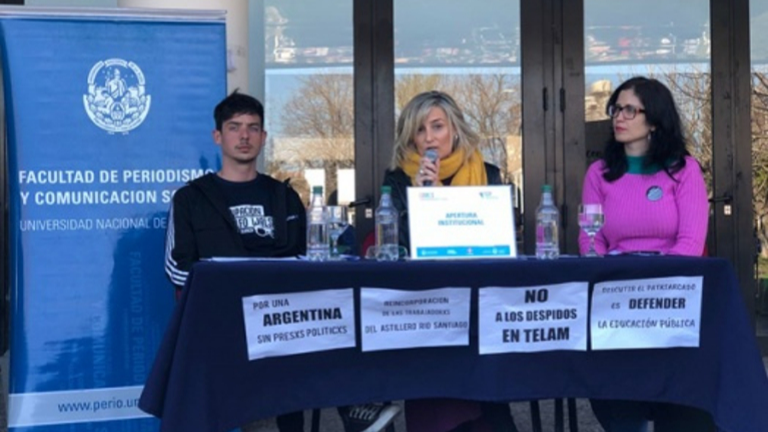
[475,59]
[309,96]
[625,38]
[758,11]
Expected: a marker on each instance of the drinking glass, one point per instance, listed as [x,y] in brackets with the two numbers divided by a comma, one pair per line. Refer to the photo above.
[373,253]
[337,223]
[591,220]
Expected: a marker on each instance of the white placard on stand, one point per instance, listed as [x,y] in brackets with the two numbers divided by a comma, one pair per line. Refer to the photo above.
[461,222]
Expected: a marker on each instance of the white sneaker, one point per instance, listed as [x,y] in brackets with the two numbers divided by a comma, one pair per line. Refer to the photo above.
[372,417]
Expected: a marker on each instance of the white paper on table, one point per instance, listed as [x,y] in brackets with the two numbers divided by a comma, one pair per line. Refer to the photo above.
[531,319]
[294,323]
[647,313]
[398,319]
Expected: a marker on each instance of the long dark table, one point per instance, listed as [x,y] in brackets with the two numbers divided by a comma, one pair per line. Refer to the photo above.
[202,379]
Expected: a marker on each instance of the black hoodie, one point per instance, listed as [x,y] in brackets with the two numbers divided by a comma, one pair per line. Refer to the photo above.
[201,225]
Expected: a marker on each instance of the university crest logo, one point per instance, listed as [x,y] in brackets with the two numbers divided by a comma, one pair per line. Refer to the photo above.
[116,99]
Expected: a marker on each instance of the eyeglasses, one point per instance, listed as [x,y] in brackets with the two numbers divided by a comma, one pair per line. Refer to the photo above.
[630,111]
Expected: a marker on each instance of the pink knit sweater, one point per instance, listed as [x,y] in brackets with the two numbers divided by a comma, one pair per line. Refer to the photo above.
[649,212]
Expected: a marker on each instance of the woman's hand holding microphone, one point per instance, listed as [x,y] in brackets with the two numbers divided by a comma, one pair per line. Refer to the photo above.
[429,168]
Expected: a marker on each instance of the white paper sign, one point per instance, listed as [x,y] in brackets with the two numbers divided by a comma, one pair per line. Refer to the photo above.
[461,222]
[646,313]
[295,323]
[531,319]
[397,319]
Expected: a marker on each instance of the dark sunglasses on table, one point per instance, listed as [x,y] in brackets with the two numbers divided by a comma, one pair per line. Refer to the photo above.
[630,111]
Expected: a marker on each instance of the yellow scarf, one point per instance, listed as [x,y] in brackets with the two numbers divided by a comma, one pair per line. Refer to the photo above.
[471,173]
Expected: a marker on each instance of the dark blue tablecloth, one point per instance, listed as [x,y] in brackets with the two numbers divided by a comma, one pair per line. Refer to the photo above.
[202,379]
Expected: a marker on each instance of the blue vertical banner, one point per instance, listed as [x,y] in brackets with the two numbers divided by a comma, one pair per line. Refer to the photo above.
[108,113]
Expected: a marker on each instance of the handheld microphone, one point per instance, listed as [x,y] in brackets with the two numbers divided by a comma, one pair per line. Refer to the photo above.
[431,154]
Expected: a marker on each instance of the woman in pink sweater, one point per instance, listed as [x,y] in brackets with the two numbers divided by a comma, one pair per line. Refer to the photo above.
[651,189]
[654,200]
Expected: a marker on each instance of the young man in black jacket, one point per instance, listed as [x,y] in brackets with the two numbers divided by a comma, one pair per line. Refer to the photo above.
[236,212]
[239,212]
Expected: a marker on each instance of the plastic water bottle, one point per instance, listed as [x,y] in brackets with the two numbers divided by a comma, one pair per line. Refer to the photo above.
[547,220]
[318,247]
[386,227]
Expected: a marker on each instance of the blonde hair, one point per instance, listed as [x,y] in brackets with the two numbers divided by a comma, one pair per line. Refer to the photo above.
[413,116]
